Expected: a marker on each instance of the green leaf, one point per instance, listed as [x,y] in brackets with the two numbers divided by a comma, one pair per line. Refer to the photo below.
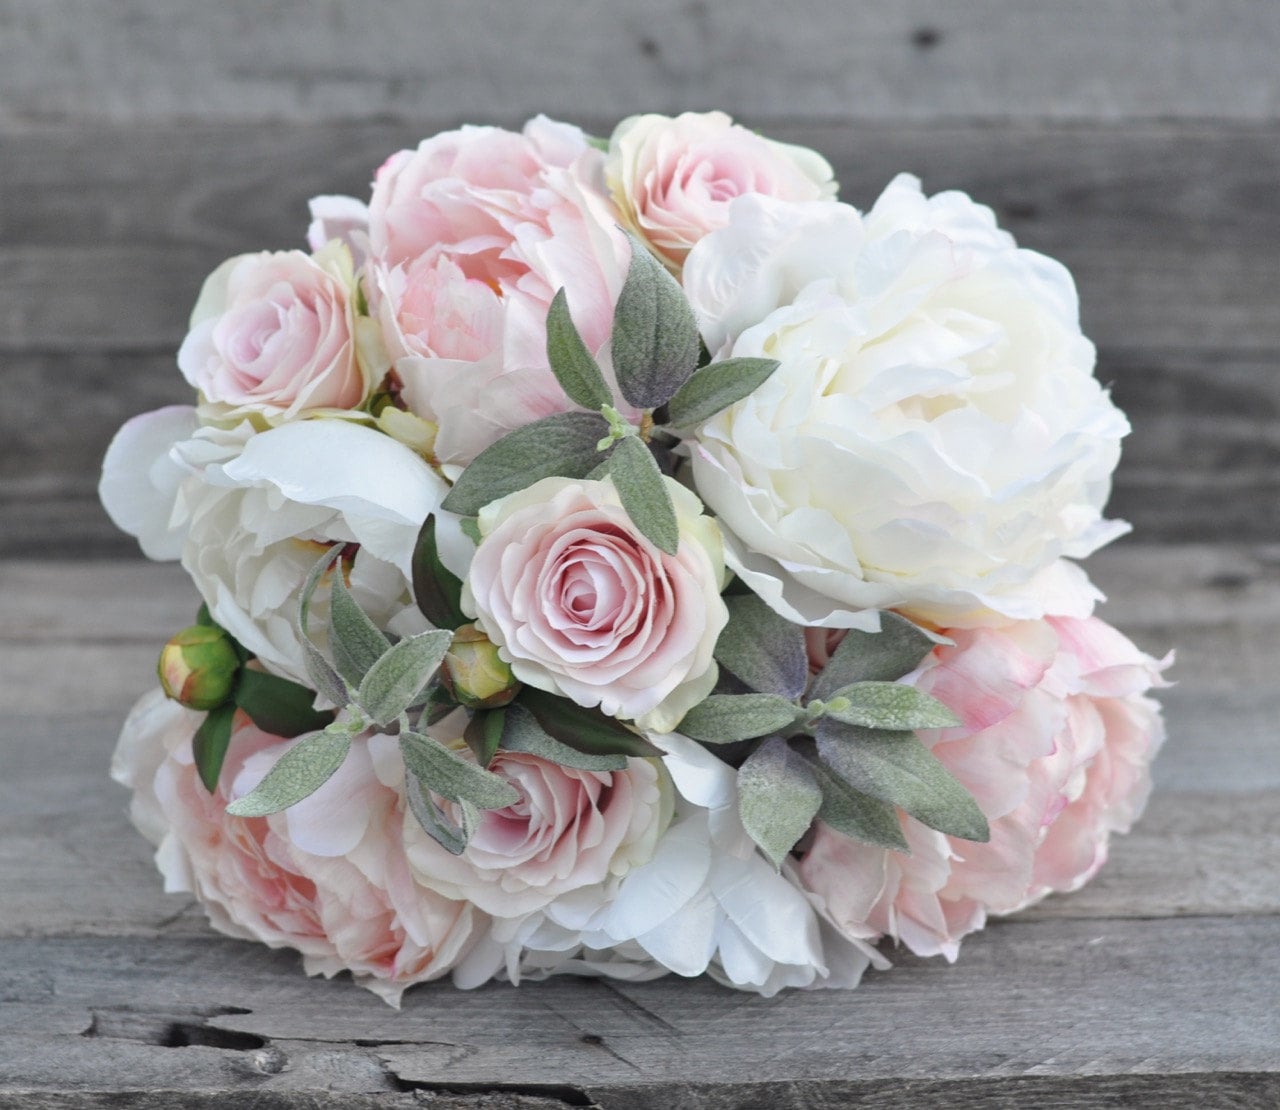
[562,445]
[874,656]
[396,681]
[573,365]
[724,718]
[300,772]
[450,775]
[356,641]
[586,730]
[483,734]
[470,528]
[778,798]
[205,618]
[716,387]
[655,336]
[278,706]
[452,838]
[436,589]
[319,669]
[888,705]
[762,649]
[644,493]
[209,745]
[850,811]
[522,733]
[896,768]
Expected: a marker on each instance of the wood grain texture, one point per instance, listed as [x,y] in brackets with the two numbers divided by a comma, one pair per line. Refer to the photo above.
[303,61]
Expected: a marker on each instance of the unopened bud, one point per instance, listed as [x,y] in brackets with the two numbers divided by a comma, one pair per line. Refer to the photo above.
[198,667]
[479,679]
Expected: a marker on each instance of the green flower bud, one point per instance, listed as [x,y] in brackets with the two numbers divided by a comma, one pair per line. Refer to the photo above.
[198,667]
[478,678]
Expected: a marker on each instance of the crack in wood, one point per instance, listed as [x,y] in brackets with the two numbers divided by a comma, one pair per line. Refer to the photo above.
[170,1029]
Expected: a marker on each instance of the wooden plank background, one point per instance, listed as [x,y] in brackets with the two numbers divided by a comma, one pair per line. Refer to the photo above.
[143,141]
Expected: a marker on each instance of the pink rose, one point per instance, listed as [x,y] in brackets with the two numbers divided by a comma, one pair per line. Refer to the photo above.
[581,604]
[327,877]
[569,831]
[275,334]
[472,235]
[1056,744]
[674,179]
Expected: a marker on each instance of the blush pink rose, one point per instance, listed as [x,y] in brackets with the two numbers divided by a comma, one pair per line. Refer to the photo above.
[583,605]
[275,334]
[674,179]
[327,877]
[1056,744]
[570,832]
[472,235]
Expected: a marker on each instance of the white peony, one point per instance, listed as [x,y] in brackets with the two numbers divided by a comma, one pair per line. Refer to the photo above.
[934,440]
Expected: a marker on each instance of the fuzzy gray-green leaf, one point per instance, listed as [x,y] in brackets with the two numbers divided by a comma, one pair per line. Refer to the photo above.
[321,672]
[888,705]
[435,824]
[726,718]
[655,336]
[451,776]
[400,675]
[874,656]
[573,365]
[717,386]
[297,774]
[644,493]
[522,733]
[559,446]
[852,812]
[778,797]
[896,768]
[356,641]
[762,649]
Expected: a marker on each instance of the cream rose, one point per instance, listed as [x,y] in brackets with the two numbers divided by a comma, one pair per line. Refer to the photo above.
[276,335]
[581,604]
[934,440]
[673,179]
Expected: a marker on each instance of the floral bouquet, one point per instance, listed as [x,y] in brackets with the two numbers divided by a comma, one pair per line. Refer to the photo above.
[621,557]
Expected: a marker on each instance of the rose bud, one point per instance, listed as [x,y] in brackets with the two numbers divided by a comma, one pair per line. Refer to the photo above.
[198,667]
[478,677]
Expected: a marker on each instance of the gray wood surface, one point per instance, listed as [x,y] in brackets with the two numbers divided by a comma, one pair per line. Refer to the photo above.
[1153,986]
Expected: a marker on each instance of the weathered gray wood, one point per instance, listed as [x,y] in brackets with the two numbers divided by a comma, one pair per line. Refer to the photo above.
[160,59]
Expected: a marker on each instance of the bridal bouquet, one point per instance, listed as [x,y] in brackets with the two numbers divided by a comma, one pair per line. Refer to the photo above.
[621,557]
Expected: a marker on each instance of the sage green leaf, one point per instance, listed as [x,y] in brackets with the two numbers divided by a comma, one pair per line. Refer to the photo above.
[896,768]
[888,705]
[717,386]
[587,730]
[452,838]
[356,641]
[778,798]
[725,718]
[644,493]
[763,650]
[300,772]
[448,774]
[655,336]
[470,527]
[874,656]
[436,589]
[397,680]
[209,745]
[522,733]
[573,365]
[278,706]
[559,446]
[483,734]
[850,811]
[319,669]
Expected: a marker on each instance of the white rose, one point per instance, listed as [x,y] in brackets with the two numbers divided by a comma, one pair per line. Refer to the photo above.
[934,439]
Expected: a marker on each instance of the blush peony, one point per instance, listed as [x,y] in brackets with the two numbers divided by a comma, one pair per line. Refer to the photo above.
[1056,744]
[581,604]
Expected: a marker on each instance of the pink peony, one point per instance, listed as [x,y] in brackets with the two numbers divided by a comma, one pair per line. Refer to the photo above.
[472,235]
[275,335]
[674,179]
[1055,746]
[570,830]
[327,877]
[582,605]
